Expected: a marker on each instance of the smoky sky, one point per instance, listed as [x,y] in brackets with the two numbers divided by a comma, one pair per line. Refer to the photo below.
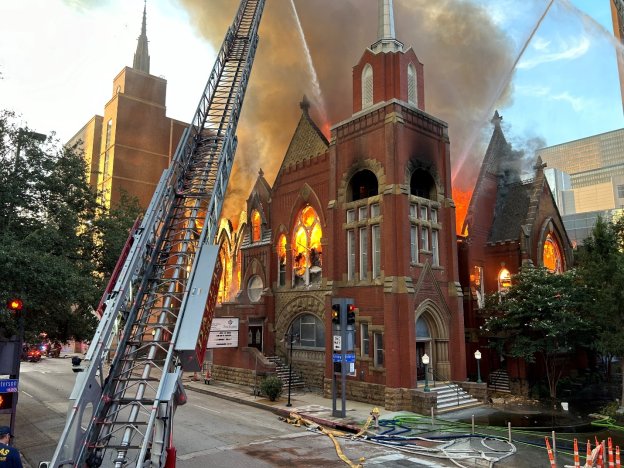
[467,60]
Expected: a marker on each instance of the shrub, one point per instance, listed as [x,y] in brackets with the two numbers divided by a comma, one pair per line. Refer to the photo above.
[271,387]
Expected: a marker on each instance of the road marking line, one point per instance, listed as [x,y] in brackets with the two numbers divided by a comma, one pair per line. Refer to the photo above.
[28,394]
[207,409]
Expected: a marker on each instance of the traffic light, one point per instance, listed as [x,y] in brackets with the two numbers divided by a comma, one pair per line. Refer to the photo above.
[336,313]
[15,304]
[6,401]
[350,314]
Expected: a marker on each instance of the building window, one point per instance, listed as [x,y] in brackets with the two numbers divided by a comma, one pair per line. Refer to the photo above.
[350,216]
[362,185]
[504,280]
[424,238]
[620,191]
[362,213]
[422,185]
[363,253]
[476,278]
[379,349]
[435,251]
[413,210]
[376,237]
[375,211]
[281,260]
[423,213]
[109,130]
[364,340]
[412,90]
[434,215]
[350,255]
[306,247]
[311,332]
[367,86]
[256,230]
[254,288]
[413,243]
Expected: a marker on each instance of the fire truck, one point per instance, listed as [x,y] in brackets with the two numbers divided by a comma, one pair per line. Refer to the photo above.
[165,291]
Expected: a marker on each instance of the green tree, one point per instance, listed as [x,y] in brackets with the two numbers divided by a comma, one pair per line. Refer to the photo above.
[46,241]
[540,317]
[601,265]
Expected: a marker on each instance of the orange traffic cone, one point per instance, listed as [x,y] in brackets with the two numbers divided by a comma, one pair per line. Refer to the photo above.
[599,460]
[551,457]
[577,462]
[610,445]
[617,457]
[589,459]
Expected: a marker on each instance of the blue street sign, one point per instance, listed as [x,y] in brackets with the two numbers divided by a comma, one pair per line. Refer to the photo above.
[348,357]
[8,385]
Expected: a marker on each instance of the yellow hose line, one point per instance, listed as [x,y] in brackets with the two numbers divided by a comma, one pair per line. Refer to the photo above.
[296,420]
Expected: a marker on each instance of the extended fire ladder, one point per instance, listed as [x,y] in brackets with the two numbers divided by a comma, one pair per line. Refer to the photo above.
[166,291]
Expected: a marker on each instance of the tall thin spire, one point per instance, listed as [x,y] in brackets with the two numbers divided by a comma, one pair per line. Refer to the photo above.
[141,56]
[386,40]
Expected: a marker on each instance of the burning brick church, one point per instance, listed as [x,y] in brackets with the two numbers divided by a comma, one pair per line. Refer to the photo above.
[369,215]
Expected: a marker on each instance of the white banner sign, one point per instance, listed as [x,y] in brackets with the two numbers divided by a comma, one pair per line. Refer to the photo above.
[225,339]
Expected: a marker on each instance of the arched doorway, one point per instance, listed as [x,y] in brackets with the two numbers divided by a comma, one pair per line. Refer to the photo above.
[432,338]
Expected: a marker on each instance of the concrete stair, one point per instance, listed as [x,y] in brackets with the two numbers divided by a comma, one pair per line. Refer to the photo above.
[282,371]
[452,397]
[499,381]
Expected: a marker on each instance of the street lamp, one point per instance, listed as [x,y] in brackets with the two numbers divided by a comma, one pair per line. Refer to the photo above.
[477,356]
[425,361]
[291,337]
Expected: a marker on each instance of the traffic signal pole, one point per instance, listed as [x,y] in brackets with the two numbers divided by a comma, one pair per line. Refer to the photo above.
[343,334]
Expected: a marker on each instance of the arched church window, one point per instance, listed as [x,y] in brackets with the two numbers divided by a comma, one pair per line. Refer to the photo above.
[412,90]
[363,184]
[281,260]
[311,332]
[226,275]
[504,280]
[552,258]
[256,230]
[367,86]
[422,185]
[306,248]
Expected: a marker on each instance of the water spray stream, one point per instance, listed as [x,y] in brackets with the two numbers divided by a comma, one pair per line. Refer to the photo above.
[317,96]
[501,87]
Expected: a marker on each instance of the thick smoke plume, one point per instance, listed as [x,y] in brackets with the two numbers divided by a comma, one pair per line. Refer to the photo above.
[465,57]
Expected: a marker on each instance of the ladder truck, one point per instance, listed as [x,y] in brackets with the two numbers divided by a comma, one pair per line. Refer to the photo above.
[165,293]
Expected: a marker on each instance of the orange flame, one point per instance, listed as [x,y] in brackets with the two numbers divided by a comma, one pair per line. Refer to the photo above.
[462,200]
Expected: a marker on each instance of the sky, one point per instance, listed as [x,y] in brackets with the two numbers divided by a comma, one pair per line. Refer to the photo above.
[552,77]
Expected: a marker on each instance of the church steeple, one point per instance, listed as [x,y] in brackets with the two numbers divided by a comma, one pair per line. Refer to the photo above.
[141,56]
[386,40]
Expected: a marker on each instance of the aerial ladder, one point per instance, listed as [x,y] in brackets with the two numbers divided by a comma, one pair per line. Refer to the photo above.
[164,296]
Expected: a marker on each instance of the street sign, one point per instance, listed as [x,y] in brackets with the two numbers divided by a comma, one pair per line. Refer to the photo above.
[337,357]
[350,357]
[337,342]
[8,385]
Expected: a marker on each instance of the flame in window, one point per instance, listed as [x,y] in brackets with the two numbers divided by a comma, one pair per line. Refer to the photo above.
[255,226]
[552,255]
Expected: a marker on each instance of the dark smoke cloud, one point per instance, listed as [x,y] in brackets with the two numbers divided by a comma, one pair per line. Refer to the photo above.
[467,62]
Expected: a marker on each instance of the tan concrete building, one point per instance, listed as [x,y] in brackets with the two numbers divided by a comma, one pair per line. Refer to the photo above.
[596,168]
[129,147]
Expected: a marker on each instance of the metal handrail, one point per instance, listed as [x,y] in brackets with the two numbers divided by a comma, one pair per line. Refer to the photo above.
[435,376]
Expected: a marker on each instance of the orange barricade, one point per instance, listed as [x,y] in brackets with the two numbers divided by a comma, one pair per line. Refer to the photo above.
[551,457]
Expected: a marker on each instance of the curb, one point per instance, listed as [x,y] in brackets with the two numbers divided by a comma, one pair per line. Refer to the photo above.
[279,411]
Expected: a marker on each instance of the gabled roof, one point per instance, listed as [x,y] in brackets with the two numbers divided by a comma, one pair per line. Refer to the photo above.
[512,206]
[307,142]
